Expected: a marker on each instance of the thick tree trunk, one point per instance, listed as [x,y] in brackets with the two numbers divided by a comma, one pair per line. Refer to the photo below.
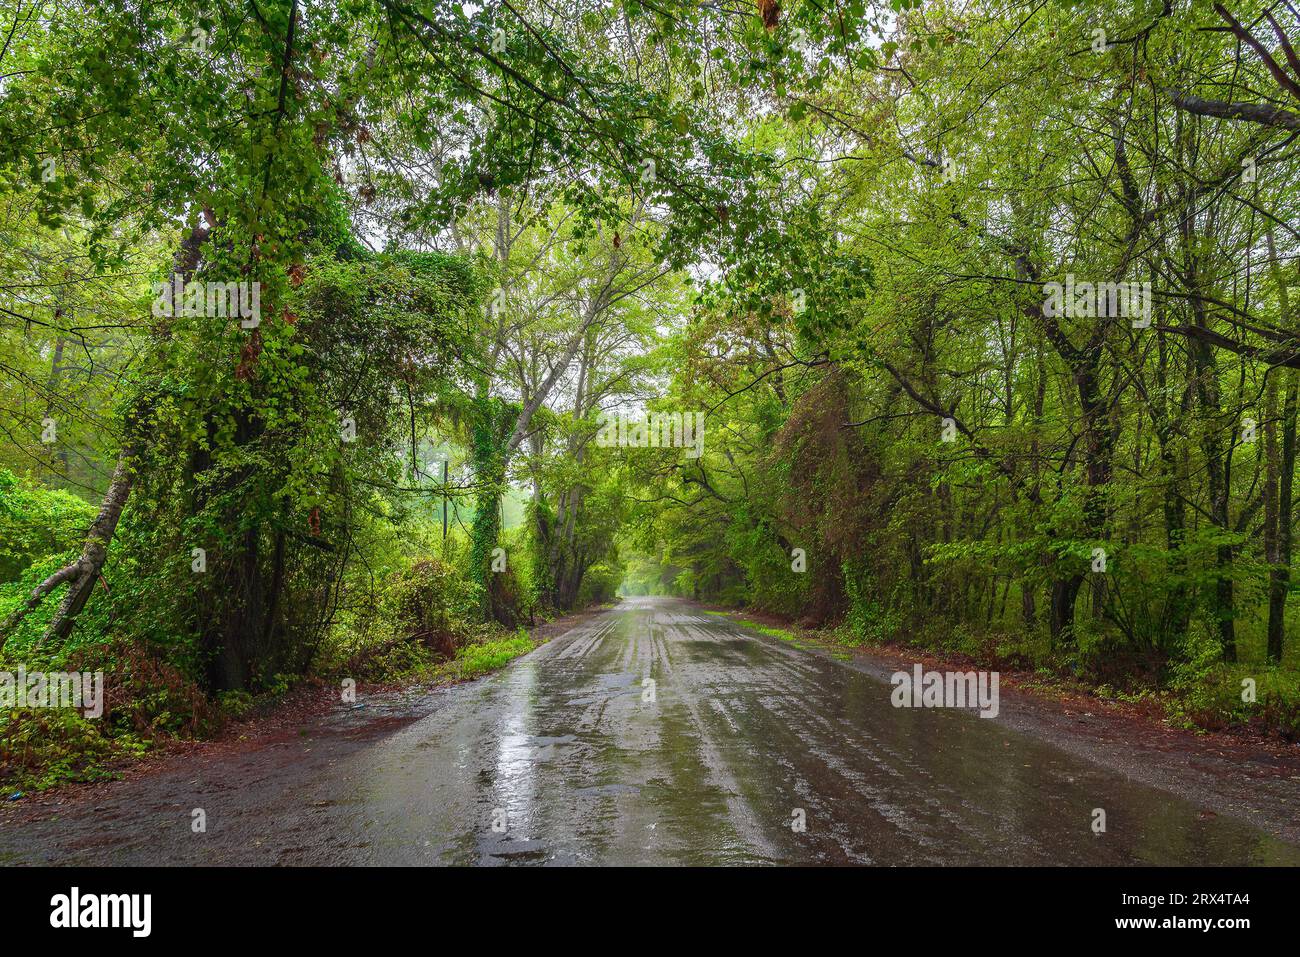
[1179,610]
[1217,460]
[1272,468]
[1063,595]
[1281,472]
[1280,574]
[490,473]
[1099,439]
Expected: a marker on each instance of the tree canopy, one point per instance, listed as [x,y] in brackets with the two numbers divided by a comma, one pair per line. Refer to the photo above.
[312,316]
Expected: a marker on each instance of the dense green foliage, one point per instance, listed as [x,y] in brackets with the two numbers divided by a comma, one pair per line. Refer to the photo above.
[1104,496]
[475,232]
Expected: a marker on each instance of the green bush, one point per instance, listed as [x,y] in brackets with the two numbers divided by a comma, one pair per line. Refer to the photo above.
[40,748]
[37,522]
[433,604]
[600,584]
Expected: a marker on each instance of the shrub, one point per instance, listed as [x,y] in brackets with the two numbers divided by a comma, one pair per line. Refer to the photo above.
[40,748]
[433,604]
[145,694]
[37,522]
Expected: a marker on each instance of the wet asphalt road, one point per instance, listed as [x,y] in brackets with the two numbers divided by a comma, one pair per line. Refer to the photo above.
[561,759]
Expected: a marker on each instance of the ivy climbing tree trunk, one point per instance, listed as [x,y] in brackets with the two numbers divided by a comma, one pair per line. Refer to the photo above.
[492,418]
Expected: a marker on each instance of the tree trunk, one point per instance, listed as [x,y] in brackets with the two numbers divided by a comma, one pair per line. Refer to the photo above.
[1217,460]
[1278,490]
[1280,574]
[95,551]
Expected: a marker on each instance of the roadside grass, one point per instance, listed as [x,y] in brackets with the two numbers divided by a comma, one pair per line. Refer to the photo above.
[771,631]
[485,656]
[782,633]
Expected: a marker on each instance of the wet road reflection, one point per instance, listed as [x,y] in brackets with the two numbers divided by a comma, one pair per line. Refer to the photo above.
[652,734]
[567,750]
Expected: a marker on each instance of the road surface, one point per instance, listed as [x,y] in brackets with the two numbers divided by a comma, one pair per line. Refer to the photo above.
[571,756]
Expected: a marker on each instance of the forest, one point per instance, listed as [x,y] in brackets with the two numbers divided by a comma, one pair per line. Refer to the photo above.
[349,341]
